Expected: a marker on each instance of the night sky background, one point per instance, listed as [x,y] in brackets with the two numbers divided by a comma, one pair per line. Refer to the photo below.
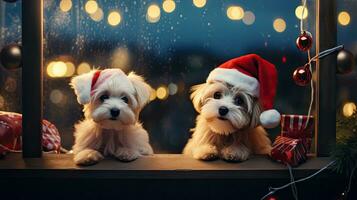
[181,48]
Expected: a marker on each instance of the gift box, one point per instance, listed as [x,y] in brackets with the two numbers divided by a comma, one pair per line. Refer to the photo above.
[11,132]
[298,127]
[289,151]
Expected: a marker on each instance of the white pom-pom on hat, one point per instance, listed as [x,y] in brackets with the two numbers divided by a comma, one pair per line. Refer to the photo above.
[270,118]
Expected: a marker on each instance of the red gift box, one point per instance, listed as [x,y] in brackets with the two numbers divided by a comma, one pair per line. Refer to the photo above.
[298,127]
[11,131]
[289,151]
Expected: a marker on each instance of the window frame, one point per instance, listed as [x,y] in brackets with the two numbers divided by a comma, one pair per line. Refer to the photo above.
[32,78]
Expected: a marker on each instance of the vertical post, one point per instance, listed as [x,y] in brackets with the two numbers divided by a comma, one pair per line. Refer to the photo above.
[326,32]
[32,52]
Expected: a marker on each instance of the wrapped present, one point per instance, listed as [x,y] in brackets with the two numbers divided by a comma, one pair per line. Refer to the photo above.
[11,131]
[298,127]
[289,151]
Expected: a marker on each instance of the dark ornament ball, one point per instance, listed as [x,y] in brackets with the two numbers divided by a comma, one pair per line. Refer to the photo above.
[304,41]
[302,76]
[345,62]
[10,56]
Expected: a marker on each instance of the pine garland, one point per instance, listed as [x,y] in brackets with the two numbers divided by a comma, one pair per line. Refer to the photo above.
[345,152]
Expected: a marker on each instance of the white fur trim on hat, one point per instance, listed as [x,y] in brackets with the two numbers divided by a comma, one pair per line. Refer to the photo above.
[270,118]
[235,78]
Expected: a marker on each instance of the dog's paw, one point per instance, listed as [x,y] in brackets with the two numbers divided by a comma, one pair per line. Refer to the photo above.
[126,154]
[87,157]
[235,153]
[146,150]
[205,152]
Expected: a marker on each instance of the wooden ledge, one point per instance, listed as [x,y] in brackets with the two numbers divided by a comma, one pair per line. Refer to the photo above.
[158,166]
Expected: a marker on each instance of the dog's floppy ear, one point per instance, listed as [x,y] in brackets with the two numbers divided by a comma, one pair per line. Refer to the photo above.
[143,90]
[197,92]
[256,111]
[82,86]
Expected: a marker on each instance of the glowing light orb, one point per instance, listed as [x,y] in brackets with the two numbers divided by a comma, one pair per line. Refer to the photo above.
[199,3]
[279,25]
[91,6]
[235,12]
[83,68]
[299,12]
[65,5]
[172,88]
[114,18]
[98,15]
[152,95]
[168,6]
[348,109]
[56,69]
[70,69]
[162,93]
[56,96]
[249,18]
[153,13]
[344,18]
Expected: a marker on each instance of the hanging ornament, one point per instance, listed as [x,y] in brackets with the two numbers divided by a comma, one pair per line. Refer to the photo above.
[302,75]
[304,41]
[343,196]
[10,56]
[345,62]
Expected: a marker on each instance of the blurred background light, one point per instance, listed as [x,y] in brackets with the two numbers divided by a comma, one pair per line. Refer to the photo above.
[199,3]
[70,69]
[83,68]
[56,96]
[114,18]
[348,109]
[56,69]
[235,12]
[344,18]
[121,58]
[2,102]
[172,88]
[249,18]
[91,6]
[65,5]
[279,25]
[98,15]
[299,12]
[162,93]
[168,6]
[153,13]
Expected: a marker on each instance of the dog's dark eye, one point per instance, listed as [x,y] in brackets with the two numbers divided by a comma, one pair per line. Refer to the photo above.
[217,95]
[104,97]
[238,100]
[125,99]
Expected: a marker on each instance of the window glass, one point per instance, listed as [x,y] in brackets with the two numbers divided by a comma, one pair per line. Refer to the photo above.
[174,45]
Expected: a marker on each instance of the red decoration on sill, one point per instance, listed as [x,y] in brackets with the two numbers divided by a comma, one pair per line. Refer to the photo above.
[292,146]
[11,131]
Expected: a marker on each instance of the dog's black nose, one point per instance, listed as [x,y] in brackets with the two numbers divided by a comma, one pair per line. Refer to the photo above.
[223,110]
[114,112]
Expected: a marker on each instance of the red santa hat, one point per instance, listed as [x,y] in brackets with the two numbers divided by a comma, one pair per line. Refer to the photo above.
[256,75]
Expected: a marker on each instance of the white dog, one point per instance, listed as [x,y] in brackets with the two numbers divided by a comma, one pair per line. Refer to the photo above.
[112,102]
[230,111]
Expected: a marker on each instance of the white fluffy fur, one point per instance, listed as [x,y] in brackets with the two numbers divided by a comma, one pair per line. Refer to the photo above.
[99,135]
[233,138]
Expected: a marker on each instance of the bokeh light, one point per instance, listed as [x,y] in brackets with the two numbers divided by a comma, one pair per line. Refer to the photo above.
[83,68]
[172,88]
[249,18]
[121,58]
[98,15]
[235,12]
[2,102]
[65,5]
[56,96]
[279,25]
[56,69]
[168,6]
[91,6]
[152,95]
[299,12]
[162,92]
[153,13]
[70,69]
[199,3]
[114,18]
[344,18]
[348,109]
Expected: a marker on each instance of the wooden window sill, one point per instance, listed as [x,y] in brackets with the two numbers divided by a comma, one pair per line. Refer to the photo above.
[158,166]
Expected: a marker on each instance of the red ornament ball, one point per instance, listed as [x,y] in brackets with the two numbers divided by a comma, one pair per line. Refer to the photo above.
[304,41]
[302,76]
